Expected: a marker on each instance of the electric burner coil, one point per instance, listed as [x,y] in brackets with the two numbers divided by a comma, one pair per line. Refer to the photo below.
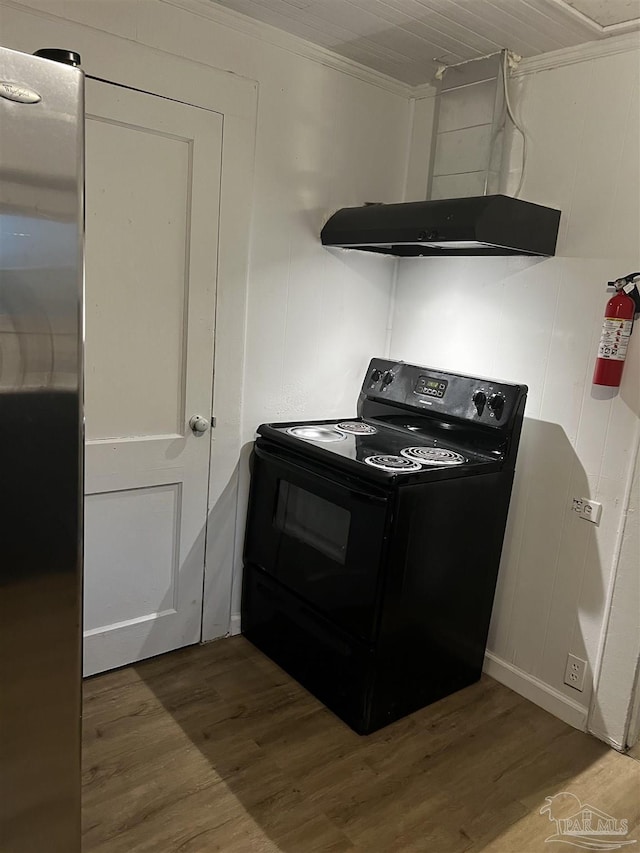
[397,464]
[432,456]
[356,428]
[316,433]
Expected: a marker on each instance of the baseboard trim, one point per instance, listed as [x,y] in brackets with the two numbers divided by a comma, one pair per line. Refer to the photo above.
[608,740]
[234,625]
[536,691]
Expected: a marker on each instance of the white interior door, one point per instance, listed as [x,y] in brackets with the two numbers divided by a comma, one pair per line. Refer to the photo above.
[152,197]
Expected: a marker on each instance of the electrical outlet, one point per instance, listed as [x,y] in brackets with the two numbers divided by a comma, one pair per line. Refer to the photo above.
[575,672]
[589,510]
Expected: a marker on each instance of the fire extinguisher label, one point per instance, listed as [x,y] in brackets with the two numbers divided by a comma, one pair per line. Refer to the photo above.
[614,339]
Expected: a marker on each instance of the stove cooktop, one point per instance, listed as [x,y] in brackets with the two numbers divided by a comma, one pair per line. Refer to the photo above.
[394,451]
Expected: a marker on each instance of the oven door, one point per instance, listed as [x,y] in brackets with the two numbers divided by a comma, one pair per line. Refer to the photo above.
[319,536]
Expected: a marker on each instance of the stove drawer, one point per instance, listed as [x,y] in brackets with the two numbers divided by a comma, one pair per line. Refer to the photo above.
[336,668]
[322,538]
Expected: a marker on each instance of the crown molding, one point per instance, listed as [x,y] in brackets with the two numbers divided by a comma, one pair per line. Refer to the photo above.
[291,43]
[558,58]
[590,23]
[210,10]
[424,90]
[608,44]
[580,53]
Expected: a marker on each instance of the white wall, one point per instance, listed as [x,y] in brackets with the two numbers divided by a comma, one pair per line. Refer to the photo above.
[316,316]
[538,322]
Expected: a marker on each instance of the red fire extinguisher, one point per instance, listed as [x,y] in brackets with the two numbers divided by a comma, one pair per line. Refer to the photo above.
[616,331]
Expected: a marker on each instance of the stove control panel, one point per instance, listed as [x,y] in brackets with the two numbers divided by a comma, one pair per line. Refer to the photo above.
[483,401]
[431,386]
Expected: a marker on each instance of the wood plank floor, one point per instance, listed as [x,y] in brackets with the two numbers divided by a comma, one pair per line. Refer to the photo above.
[214,748]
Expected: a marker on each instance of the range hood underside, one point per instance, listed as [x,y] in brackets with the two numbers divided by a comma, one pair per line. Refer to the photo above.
[477,225]
[472,248]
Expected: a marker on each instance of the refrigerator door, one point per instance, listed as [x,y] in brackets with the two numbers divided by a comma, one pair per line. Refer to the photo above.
[41,238]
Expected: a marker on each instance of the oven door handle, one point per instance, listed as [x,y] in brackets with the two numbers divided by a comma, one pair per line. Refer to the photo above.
[271,456]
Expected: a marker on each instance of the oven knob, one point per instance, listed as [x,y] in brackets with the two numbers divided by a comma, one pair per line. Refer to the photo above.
[496,404]
[376,375]
[387,379]
[480,399]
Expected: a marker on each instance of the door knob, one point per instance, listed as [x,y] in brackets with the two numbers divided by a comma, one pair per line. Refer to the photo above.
[199,424]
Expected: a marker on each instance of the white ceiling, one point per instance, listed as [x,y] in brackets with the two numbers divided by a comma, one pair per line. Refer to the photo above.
[408,39]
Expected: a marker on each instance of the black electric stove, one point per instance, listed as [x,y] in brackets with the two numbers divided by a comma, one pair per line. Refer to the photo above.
[373,543]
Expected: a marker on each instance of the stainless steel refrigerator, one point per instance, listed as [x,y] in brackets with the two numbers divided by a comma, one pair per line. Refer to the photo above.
[41,440]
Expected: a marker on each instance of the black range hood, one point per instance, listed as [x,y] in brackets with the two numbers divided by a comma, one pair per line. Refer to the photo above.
[479,225]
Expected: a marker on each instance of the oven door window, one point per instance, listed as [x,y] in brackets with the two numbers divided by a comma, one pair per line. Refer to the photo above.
[320,537]
[320,524]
